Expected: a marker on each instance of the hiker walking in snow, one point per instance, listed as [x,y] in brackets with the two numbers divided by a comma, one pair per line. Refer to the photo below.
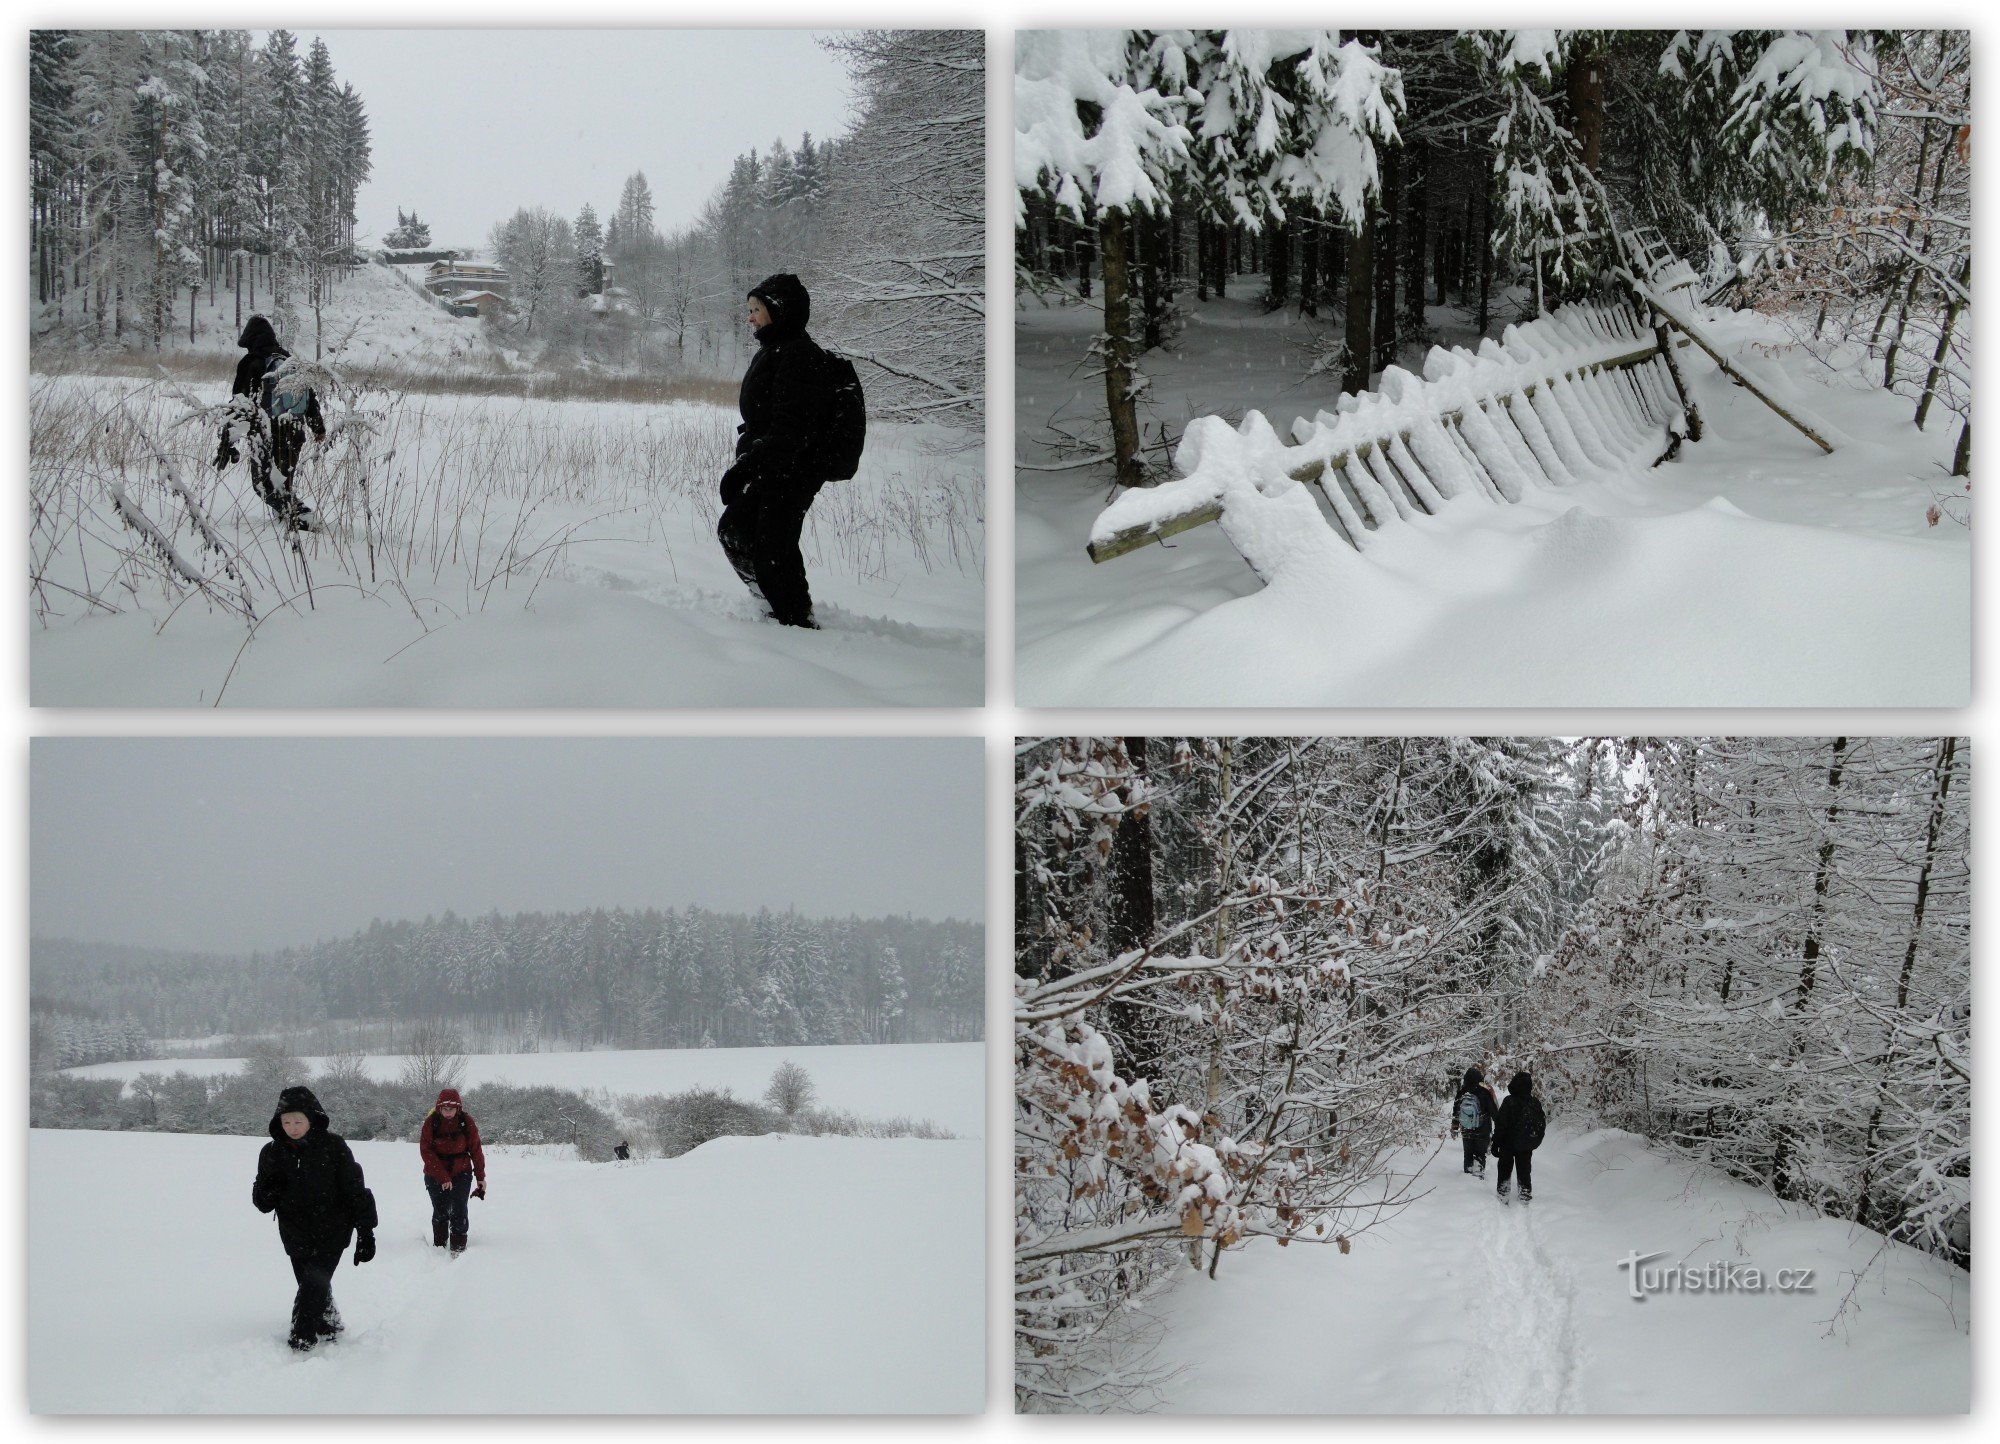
[1517,1133]
[454,1168]
[308,1176]
[802,423]
[1472,1115]
[271,420]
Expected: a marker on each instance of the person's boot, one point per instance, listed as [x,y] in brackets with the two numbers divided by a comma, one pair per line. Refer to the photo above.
[1503,1190]
[457,1245]
[437,1234]
[301,1344]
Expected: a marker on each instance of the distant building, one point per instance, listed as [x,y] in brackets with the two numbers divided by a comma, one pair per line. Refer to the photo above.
[477,303]
[451,278]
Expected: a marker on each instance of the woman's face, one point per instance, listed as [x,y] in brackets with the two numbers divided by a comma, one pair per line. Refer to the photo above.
[759,316]
[296,1125]
[449,1110]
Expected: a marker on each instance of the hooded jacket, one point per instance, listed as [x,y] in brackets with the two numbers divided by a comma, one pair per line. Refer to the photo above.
[314,1185]
[450,1149]
[1522,1122]
[785,394]
[1474,1083]
[260,350]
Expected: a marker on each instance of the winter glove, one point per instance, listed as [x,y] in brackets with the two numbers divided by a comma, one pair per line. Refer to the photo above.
[735,485]
[225,454]
[364,1247]
[480,1191]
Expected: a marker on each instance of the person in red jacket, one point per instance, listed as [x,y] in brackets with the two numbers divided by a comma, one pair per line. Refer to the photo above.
[454,1167]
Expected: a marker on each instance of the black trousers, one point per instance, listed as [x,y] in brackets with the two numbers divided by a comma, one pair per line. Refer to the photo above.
[759,529]
[450,1206]
[1525,1162]
[287,442]
[1475,1149]
[313,1315]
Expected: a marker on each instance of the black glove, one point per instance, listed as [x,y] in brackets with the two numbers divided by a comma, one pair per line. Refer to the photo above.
[735,484]
[364,1246]
[480,1191]
[225,454]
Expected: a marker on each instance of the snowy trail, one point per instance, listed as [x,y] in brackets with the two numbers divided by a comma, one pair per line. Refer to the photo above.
[765,1275]
[1461,1305]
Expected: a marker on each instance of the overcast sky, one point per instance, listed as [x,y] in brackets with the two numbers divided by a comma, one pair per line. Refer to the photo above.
[470,125]
[231,845]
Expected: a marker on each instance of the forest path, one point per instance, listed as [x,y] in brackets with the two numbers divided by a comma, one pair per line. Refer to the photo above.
[1459,1304]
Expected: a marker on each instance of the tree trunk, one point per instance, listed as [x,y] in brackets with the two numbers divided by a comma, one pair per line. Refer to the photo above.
[1385,260]
[1309,230]
[1417,220]
[1360,308]
[1941,773]
[1782,1181]
[1278,238]
[1943,345]
[1123,410]
[1129,922]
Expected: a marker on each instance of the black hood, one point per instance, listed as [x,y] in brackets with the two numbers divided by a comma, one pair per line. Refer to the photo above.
[1520,1085]
[1473,1078]
[297,1099]
[784,296]
[258,338]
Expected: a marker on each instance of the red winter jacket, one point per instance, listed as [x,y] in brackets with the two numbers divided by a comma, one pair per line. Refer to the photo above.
[451,1149]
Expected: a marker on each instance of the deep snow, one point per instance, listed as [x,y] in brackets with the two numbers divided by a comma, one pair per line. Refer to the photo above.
[753,1275]
[1461,1305]
[526,553]
[1753,571]
[943,1082]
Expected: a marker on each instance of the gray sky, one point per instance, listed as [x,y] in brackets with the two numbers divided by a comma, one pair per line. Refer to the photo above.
[470,125]
[236,844]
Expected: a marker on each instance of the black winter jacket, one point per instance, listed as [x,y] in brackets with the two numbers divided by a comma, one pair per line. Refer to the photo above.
[1522,1122]
[315,1184]
[784,399]
[260,344]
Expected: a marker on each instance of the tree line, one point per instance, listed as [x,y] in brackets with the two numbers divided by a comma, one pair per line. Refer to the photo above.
[885,224]
[673,978]
[1365,175]
[163,160]
[1249,972]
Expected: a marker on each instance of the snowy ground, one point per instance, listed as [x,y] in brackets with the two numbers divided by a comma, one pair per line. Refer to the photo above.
[944,1082]
[753,1275]
[1751,572]
[1460,1305]
[506,552]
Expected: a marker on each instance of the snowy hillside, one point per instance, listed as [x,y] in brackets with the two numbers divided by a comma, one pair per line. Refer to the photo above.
[944,1082]
[1753,571]
[1461,1305]
[752,1275]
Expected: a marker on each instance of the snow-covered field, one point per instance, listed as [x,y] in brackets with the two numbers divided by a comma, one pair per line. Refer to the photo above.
[1753,571]
[1460,1305]
[479,550]
[944,1082]
[753,1275]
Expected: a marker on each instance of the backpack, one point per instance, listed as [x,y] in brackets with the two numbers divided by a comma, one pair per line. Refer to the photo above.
[846,420]
[1471,1117]
[291,404]
[1534,1122]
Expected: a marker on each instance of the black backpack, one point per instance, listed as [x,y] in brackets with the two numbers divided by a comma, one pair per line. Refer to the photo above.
[293,402]
[1534,1123]
[846,420]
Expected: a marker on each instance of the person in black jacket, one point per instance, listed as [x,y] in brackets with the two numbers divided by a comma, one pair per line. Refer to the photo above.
[308,1176]
[273,440]
[1517,1133]
[1474,1087]
[785,401]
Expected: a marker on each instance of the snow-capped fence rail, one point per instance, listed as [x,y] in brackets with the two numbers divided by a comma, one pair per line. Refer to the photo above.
[1584,391]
